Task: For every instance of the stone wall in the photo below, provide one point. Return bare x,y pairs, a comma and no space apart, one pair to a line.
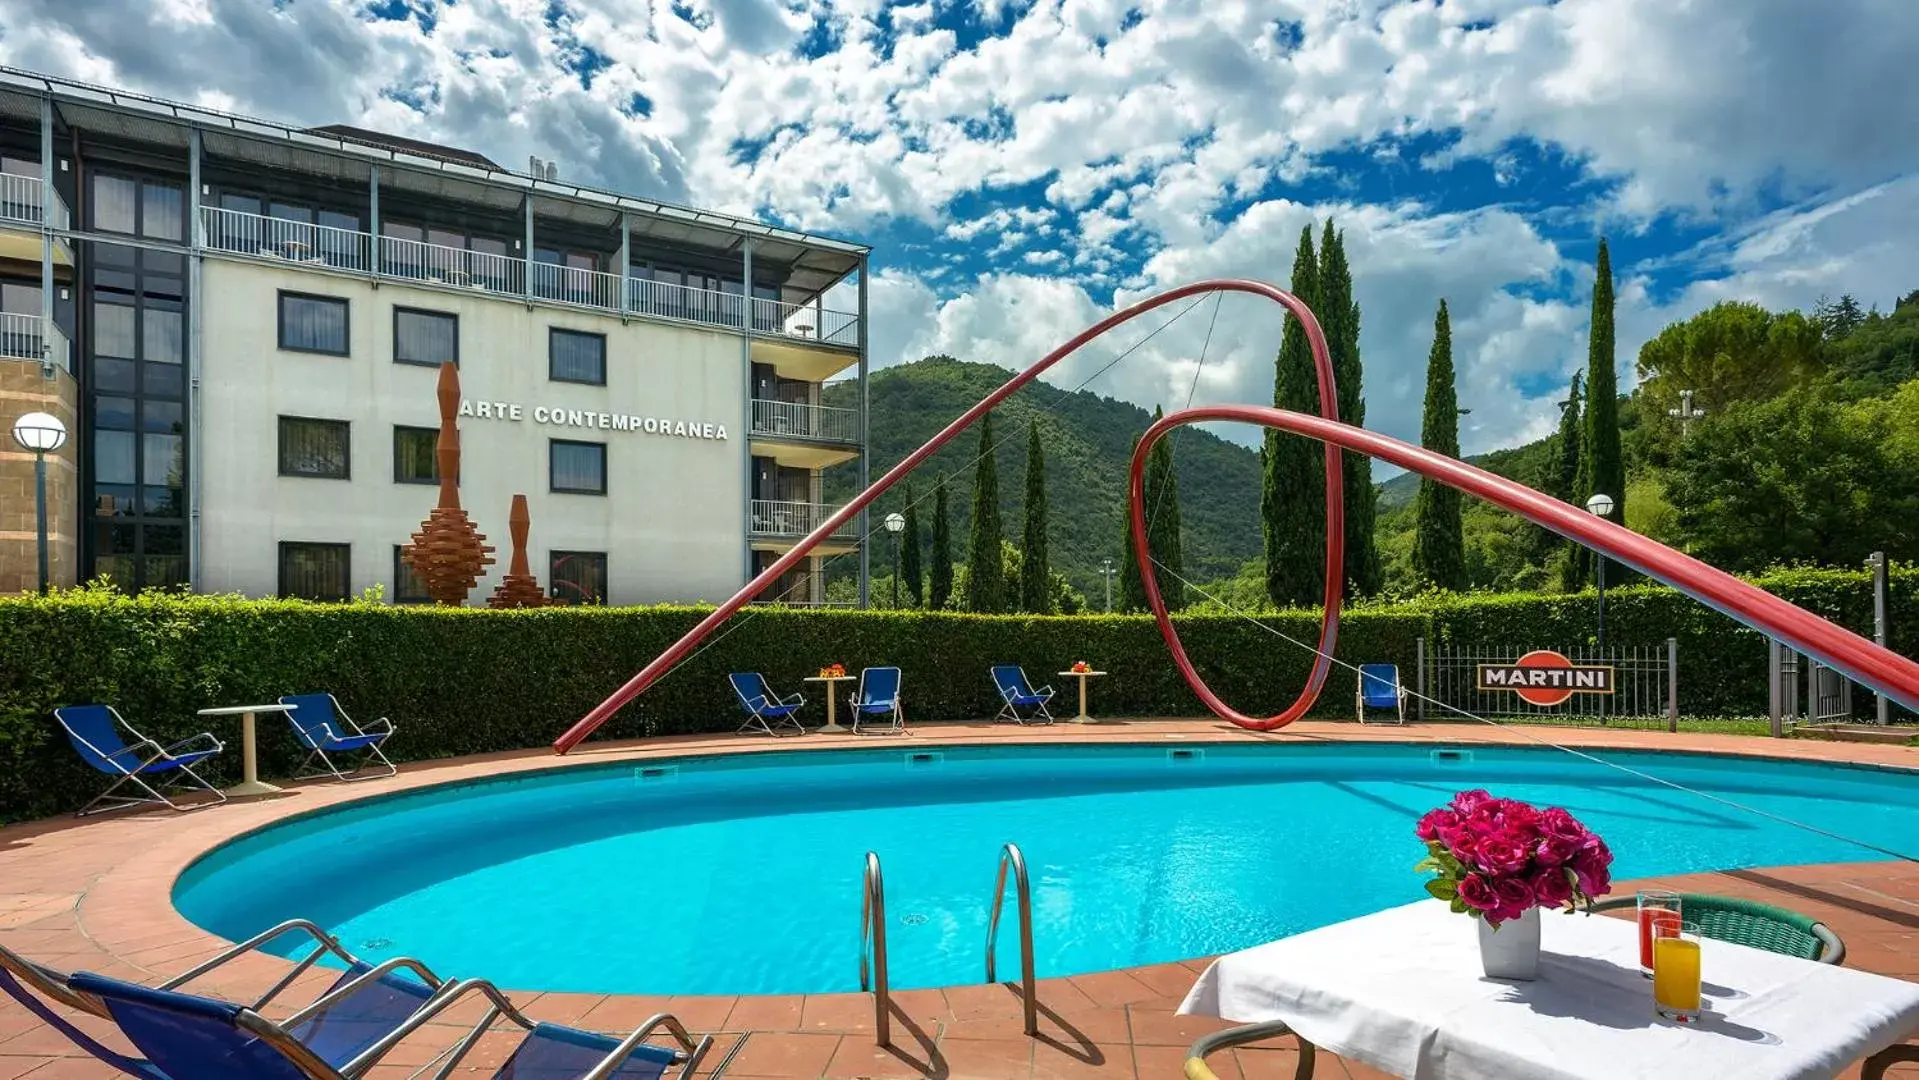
23,389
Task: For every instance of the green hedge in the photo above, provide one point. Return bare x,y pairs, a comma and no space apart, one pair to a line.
472,680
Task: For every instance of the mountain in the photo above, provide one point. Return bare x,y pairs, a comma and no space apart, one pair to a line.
1088,441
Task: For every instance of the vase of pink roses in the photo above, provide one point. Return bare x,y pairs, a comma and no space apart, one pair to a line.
1500,861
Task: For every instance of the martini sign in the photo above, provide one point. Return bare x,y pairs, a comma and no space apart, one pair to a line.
1546,678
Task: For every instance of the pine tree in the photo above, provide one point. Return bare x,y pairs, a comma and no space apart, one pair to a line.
1035,575
1439,552
1339,317
1132,592
939,589
1162,523
1602,467
985,576
909,567
1293,518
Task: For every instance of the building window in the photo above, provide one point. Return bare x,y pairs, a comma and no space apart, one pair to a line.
407,586
577,468
315,324
315,571
578,577
572,356
316,448
414,460
425,337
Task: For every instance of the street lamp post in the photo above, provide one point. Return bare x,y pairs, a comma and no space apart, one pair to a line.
1106,571
1685,413
41,433
1601,505
896,523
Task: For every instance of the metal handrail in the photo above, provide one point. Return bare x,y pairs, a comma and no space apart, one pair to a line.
1029,995
873,946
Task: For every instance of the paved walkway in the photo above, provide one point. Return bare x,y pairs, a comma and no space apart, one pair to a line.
94,895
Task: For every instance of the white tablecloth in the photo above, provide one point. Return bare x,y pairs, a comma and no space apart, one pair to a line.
1402,991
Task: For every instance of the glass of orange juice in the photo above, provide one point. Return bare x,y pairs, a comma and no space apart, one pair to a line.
1675,970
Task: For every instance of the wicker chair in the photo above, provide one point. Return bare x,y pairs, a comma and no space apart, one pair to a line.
1745,922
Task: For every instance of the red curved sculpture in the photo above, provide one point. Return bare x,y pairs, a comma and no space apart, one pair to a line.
1859,659
1335,539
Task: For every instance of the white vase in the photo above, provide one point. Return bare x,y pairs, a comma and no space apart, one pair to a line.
1512,950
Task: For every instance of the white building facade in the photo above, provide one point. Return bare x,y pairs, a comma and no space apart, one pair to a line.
257,316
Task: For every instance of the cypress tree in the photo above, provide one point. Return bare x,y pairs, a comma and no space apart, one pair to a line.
1339,317
939,589
1602,466
1292,518
985,575
1439,551
1561,475
1162,523
1132,593
910,575
1035,575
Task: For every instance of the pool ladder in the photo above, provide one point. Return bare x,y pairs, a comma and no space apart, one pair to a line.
873,948
1010,858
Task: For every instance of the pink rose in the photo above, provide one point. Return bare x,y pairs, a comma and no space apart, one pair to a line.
1555,821
1515,897
1555,850
1502,853
1464,845
1431,826
1468,801
1593,867
1477,893
1551,887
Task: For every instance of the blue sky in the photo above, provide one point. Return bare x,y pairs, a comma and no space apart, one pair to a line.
1022,166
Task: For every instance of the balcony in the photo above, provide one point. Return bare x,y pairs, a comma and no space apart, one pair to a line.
799,588
348,251
777,519
28,337
796,420
23,201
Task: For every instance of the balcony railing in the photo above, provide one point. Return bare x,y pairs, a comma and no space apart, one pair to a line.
811,423
23,201
776,519
411,260
28,337
798,588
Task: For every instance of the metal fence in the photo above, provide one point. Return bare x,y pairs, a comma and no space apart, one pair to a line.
1805,691
1643,682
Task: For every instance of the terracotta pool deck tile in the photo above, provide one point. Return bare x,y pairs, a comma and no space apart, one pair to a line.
1154,1062
981,1001
786,1055
568,1009
837,1012
1277,1063
909,1058
701,1012
623,1012
75,1069
1114,1062
773,1012
1112,989
1162,1027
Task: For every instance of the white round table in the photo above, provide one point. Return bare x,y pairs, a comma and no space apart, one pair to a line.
1082,676
832,690
250,782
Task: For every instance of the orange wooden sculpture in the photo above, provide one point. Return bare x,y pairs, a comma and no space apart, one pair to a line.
448,552
518,588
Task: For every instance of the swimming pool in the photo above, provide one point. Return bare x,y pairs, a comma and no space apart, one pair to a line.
741,874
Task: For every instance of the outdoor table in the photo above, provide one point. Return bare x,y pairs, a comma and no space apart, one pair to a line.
250,782
832,691
1082,676
1402,990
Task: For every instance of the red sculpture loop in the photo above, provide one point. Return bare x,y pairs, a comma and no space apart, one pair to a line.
1322,361
1859,659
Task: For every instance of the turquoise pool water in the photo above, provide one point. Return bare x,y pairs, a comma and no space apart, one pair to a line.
741,875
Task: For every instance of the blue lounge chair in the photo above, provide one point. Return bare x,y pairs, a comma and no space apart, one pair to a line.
1379,689
196,1038
94,731
765,710
879,695
365,1004
324,728
1016,693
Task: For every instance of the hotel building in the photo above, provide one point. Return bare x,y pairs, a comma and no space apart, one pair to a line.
242,323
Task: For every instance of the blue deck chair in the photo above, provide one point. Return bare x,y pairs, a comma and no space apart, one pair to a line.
1016,693
324,728
94,731
196,1038
879,695
17,974
1379,689
766,711
365,1004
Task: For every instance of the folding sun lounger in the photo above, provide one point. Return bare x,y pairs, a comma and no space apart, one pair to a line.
94,731
879,695
1016,693
1379,689
324,728
766,711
